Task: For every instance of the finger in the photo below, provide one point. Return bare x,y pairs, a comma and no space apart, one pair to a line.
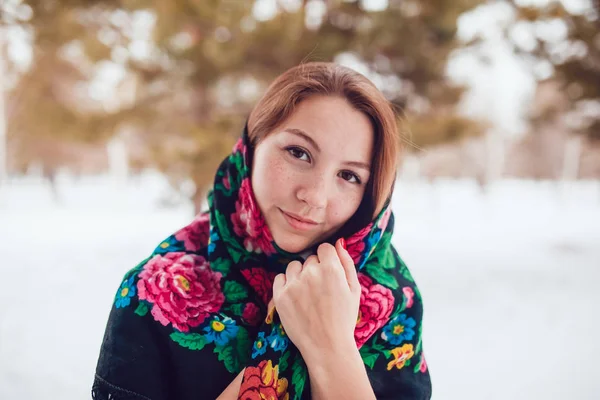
348,264
327,254
293,270
311,260
278,285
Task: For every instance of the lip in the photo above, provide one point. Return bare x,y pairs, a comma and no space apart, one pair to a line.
298,222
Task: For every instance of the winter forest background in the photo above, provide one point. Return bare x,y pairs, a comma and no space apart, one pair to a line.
115,113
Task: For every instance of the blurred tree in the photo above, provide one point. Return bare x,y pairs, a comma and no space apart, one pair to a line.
561,41
406,46
48,105
230,51
564,43
186,92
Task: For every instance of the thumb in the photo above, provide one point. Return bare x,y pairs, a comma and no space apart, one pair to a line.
278,284
348,264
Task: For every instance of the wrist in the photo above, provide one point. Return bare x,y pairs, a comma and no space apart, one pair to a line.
338,373
341,348
330,357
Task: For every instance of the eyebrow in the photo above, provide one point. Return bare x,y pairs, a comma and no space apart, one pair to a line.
305,136
359,164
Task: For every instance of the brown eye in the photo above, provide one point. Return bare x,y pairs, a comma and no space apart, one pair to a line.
298,153
349,176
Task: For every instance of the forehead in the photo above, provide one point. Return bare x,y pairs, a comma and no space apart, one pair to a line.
335,125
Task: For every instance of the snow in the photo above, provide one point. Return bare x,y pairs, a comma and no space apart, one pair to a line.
508,277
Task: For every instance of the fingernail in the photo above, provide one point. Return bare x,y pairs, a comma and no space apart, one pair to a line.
343,243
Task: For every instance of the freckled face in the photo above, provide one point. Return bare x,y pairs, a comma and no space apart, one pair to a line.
309,175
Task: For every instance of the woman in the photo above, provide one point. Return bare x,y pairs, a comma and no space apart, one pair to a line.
288,287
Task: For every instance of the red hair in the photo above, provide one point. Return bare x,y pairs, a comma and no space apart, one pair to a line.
329,79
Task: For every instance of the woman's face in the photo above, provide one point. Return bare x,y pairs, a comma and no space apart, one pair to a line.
310,174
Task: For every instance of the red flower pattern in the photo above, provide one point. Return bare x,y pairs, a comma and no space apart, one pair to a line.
261,281
376,305
195,235
249,224
182,288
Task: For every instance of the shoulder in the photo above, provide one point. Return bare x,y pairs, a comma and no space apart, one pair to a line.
192,238
157,303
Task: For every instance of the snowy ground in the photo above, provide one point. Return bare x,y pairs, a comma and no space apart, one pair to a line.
510,280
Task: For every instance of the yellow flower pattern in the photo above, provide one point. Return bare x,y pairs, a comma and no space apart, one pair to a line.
401,356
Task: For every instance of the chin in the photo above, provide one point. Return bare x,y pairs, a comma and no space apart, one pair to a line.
293,245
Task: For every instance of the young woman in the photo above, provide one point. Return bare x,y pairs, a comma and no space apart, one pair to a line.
288,287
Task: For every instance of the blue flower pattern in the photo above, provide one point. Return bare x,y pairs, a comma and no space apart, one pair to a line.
125,293
221,330
278,340
399,329
260,345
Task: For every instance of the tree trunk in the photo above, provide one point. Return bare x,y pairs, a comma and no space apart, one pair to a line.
570,166
495,157
49,174
118,159
572,159
3,121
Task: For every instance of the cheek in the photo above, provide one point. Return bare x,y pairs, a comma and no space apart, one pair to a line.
343,208
271,179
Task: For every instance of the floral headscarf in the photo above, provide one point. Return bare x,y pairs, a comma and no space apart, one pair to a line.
191,316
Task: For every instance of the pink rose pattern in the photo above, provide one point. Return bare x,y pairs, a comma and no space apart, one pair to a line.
182,289
249,224
382,224
409,294
195,235
376,305
239,147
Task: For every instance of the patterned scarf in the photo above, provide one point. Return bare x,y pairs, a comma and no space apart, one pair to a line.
210,283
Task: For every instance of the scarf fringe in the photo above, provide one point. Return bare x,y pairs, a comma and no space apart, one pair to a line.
102,390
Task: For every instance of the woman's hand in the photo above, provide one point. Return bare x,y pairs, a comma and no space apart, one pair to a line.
232,391
318,301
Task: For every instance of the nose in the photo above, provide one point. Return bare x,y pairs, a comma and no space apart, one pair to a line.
313,192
